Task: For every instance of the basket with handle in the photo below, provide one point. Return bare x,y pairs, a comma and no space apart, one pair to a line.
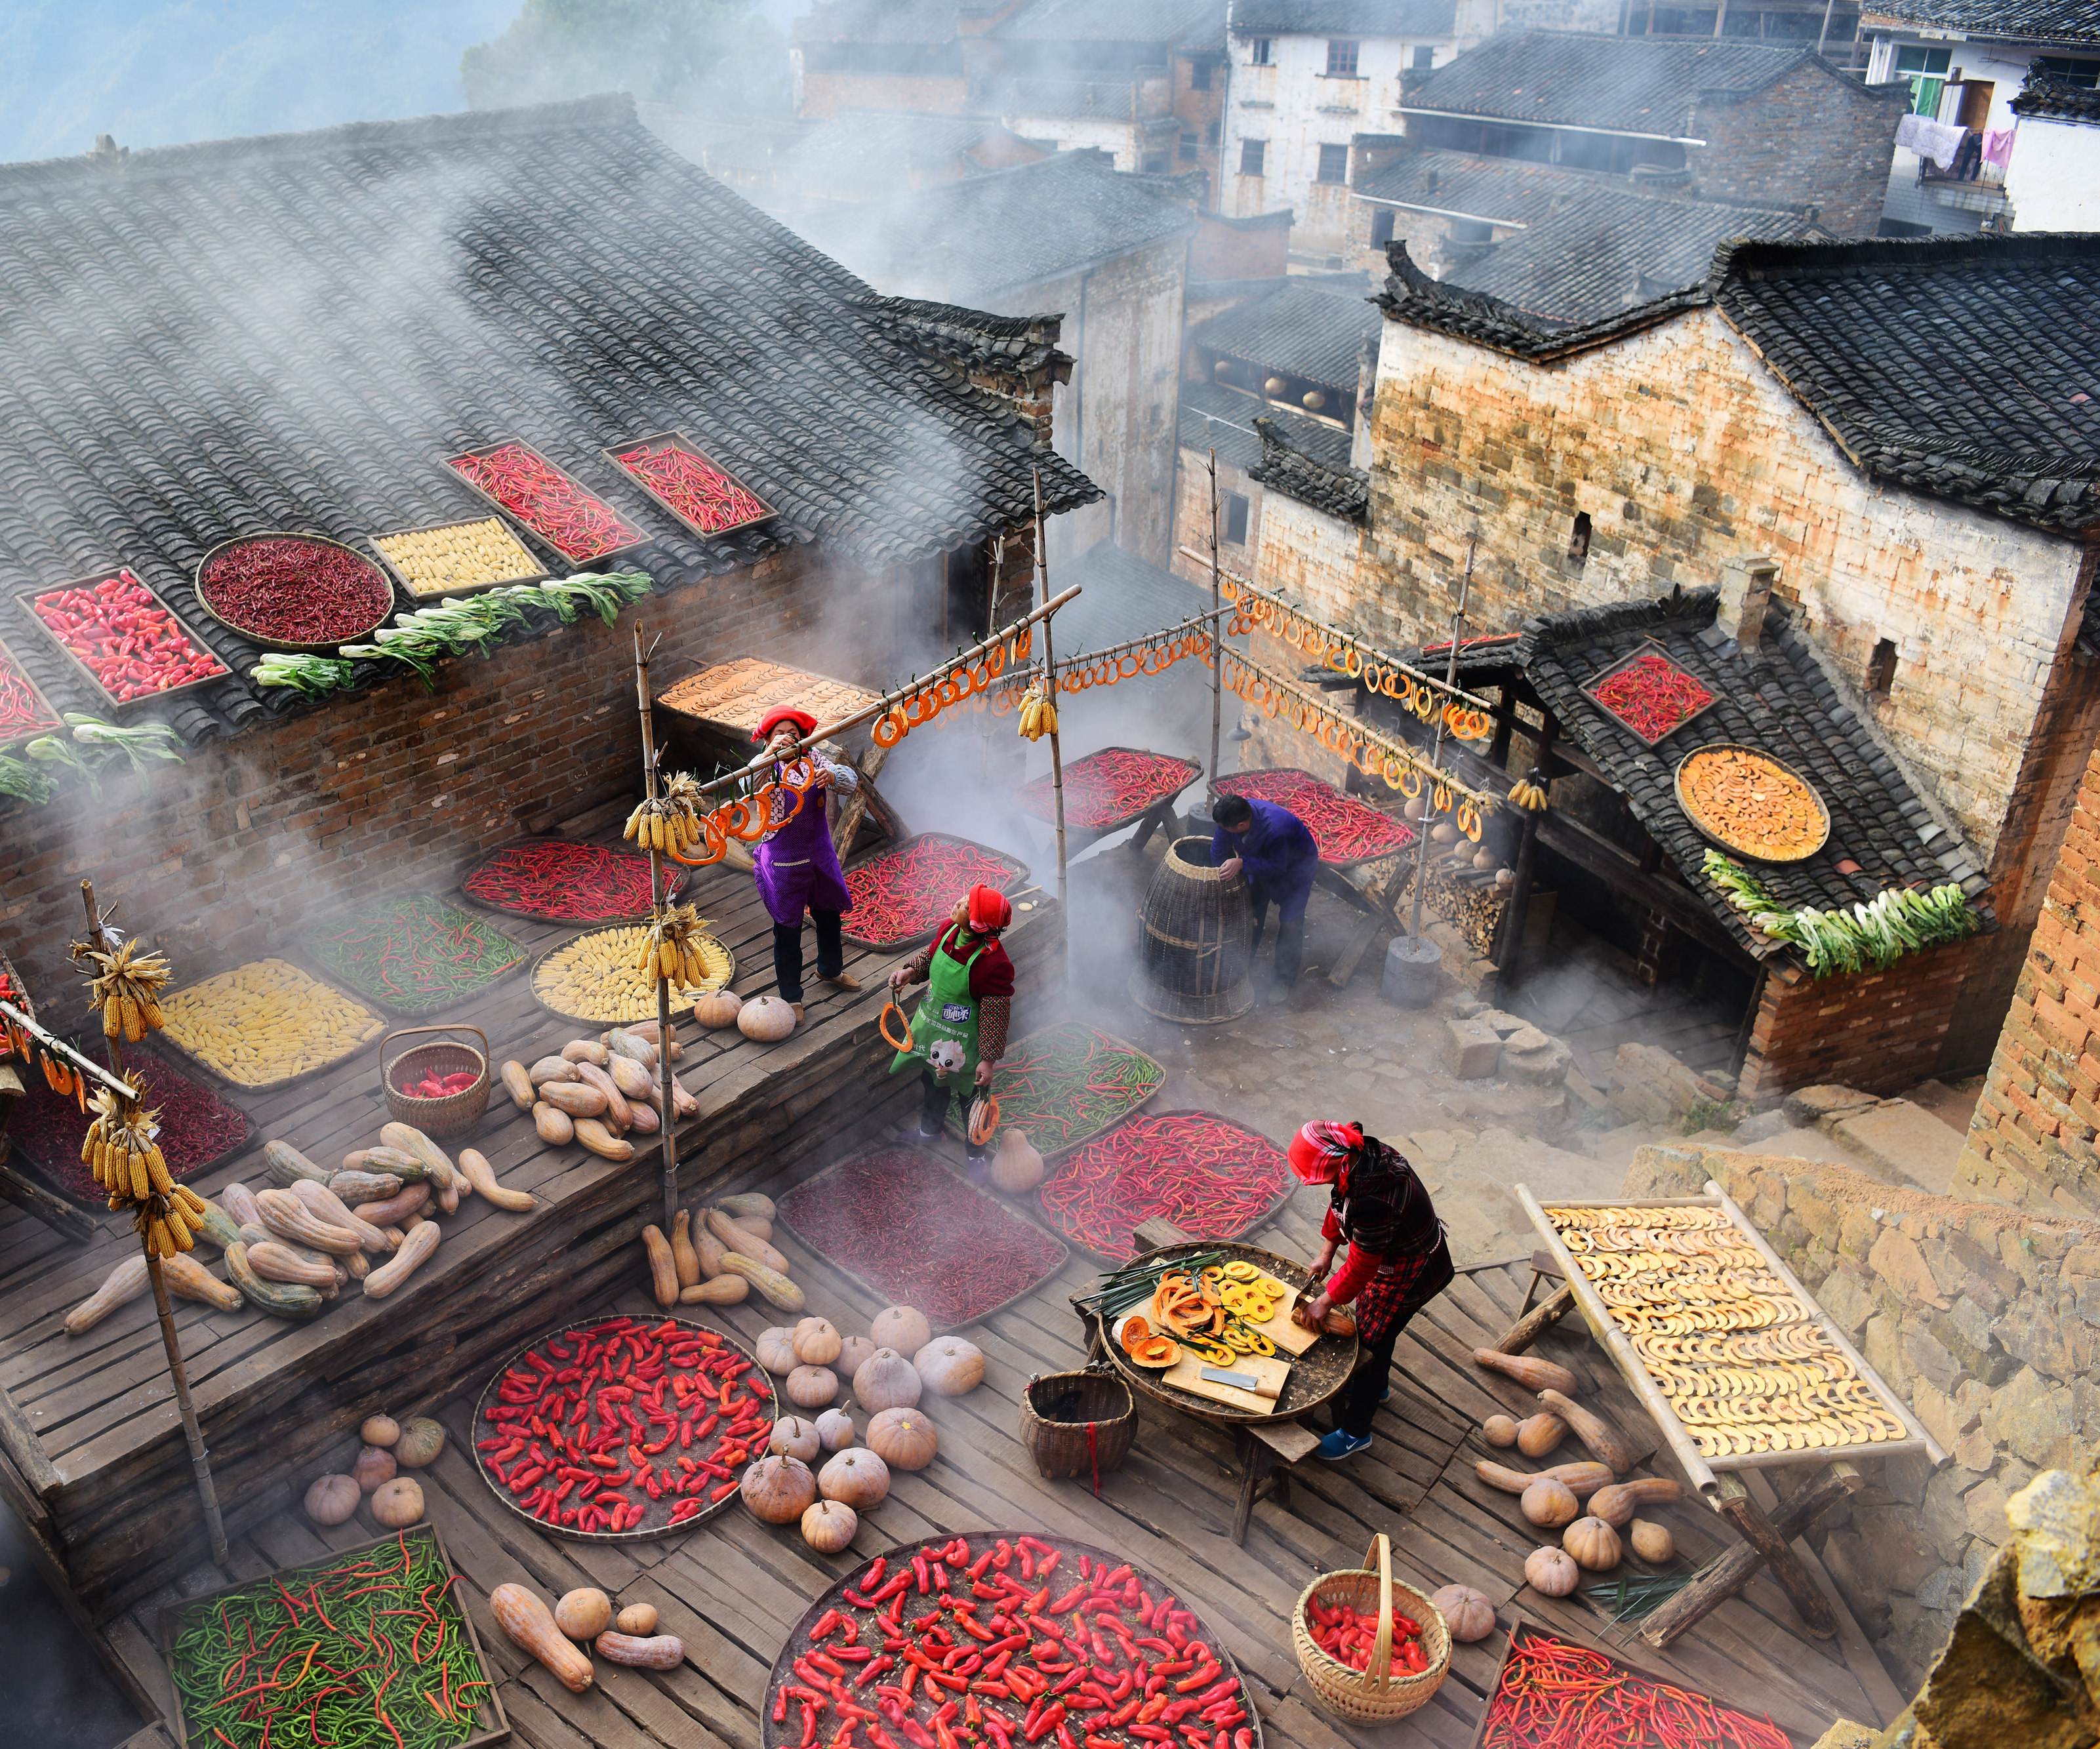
1378,1693
1078,1424
454,1112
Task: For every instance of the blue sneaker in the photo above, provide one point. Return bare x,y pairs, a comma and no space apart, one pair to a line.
1338,1445
1385,1395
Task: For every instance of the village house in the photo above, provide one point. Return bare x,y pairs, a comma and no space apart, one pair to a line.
885,55
859,155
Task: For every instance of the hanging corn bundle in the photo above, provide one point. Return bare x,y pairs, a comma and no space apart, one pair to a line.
1039,713
120,1149
670,821
123,987
676,950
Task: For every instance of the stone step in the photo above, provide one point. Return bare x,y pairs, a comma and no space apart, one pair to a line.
1903,1138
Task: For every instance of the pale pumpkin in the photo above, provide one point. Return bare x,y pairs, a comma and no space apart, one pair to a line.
835,1429
948,1365
638,1619
811,1387
765,1020
374,1466
1539,1435
1652,1542
422,1444
855,1476
902,1439
887,1381
816,1342
583,1613
1551,1573
1015,1167
795,1437
1498,1430
1548,1503
903,1328
1593,1543
1467,1613
828,1526
379,1429
718,1008
778,1489
333,1499
398,1503
853,1353
775,1349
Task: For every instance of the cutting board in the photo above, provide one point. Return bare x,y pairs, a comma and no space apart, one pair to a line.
1187,1374
1289,1338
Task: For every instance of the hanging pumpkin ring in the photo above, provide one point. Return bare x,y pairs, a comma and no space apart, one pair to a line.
889,1038
984,1119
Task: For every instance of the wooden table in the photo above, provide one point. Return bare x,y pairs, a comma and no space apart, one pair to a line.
1717,1476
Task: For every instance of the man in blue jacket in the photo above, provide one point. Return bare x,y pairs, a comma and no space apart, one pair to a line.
1274,849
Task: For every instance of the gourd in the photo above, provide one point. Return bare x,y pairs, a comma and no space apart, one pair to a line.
189,1279
603,1142
1617,1503
775,1349
584,1050
122,1285
374,1465
811,1387
1579,1478
398,1503
216,1224
663,1269
765,1020
331,1500
518,1084
795,1437
744,1242
1015,1167
1498,1430
418,1145
628,1041
635,1082
579,1098
289,1218
1652,1542
1605,1445
722,1290
853,1355
1537,1435
1527,1370
1551,1572
556,1127
887,1381
354,1188
281,1300
718,1008
948,1365
380,1430
683,1256
415,1249
552,1071
856,1476
901,1327
1467,1613
779,1489
239,1203
330,1207
743,1203
708,1249
638,1619
829,1525
835,1429
1593,1543
474,1167
1548,1503
287,1166
412,1199
521,1615
775,1288
902,1439
665,1652
583,1613
817,1342
422,1442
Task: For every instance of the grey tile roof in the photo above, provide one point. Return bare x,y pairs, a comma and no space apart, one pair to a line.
921,21
1634,84
1216,417
1122,596
1778,701
1344,18
292,332
1500,191
1007,229
1302,330
1343,492
2057,99
1187,23
866,151
2019,20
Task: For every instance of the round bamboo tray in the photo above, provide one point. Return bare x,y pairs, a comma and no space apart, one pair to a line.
455,1111
1708,828
1092,1433
1379,1694
202,590
682,999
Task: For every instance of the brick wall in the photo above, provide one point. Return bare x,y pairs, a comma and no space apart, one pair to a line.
1192,517
1239,249
1808,137
1985,1319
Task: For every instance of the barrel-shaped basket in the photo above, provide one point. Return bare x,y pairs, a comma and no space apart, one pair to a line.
1379,1694
453,1113
1076,1424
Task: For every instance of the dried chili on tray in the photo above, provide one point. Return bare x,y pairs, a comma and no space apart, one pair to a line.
908,890
1111,787
117,629
702,494
1066,1083
1211,1177
1651,695
295,589
564,881
1346,829
1553,1694
197,1128
23,712
414,953
575,522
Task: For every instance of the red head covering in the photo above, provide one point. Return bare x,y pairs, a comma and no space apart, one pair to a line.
804,724
1318,1150
990,910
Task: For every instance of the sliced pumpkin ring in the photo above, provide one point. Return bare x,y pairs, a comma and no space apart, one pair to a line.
1240,1270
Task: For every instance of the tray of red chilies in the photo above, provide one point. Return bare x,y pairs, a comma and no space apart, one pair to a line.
1006,1639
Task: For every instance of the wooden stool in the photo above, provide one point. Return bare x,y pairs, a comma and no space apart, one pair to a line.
1266,1454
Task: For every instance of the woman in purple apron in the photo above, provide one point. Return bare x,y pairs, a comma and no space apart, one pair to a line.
798,869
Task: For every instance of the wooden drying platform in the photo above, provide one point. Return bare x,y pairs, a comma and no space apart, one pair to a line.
91,1455
735,1590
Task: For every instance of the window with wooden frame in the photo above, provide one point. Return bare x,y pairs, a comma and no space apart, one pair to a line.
1252,153
1342,58
1334,164
1261,51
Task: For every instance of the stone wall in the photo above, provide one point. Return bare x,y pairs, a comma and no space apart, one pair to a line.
1811,137
1985,1319
1192,517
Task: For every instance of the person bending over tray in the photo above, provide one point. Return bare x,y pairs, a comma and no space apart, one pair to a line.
1274,849
797,867
1398,1262
960,1030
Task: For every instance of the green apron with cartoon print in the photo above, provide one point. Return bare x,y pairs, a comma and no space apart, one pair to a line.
948,1011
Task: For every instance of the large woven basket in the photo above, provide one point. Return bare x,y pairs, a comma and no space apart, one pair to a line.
1076,1424
455,1111
1379,1694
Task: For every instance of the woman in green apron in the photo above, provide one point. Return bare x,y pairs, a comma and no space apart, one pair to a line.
960,1029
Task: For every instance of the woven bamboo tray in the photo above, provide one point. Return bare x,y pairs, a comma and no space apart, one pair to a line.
1708,829
29,598
682,1000
258,639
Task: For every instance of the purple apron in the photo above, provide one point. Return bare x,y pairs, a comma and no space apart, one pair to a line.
798,869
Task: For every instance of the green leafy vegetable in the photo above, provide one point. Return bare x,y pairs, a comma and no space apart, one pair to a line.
1897,921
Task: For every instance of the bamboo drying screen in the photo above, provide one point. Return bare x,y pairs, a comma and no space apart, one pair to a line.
1346,830
906,891
265,1022
1065,1084
414,954
1211,1177
1111,787
563,880
738,695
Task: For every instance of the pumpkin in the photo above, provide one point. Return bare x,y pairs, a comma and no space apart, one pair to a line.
765,1020
1548,1503
811,1387
398,1503
637,1619
1593,1543
373,1467
1537,1435
835,1429
718,1008
902,1439
817,1342
775,1349
521,1615
421,1443
583,1613
1498,1430
901,1327
828,1526
948,1365
887,1381
1551,1573
1467,1613
331,1500
1652,1542
853,1353
855,1476
779,1489
1015,1167
379,1429
794,1437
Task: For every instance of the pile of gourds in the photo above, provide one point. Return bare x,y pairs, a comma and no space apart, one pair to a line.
584,1617
715,1256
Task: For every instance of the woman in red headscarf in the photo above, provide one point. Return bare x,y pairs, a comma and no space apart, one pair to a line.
1396,1263
962,1022
797,867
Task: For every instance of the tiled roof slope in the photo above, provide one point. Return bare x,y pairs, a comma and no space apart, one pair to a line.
1963,366
1635,85
1216,417
1344,18
1309,333
921,21
869,150
1500,191
292,332
2057,99
2018,21
1342,492
1122,596
1188,23
1778,701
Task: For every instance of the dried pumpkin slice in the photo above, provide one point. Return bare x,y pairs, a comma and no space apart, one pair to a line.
1135,1330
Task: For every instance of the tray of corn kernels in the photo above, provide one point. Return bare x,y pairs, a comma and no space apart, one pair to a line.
1740,1360
455,556
265,1022
597,978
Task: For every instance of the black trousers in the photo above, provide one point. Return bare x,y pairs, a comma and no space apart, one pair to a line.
933,1109
1357,1401
787,954
1290,931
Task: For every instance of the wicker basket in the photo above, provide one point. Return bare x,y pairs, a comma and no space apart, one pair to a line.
1379,1694
1076,1424
455,1111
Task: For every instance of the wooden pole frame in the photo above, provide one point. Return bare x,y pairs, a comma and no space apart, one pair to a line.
668,1117
1050,682
1217,638
1437,753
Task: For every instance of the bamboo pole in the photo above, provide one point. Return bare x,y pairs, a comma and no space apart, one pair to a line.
1050,682
1436,751
164,1309
53,1046
668,1125
1217,653
1087,658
